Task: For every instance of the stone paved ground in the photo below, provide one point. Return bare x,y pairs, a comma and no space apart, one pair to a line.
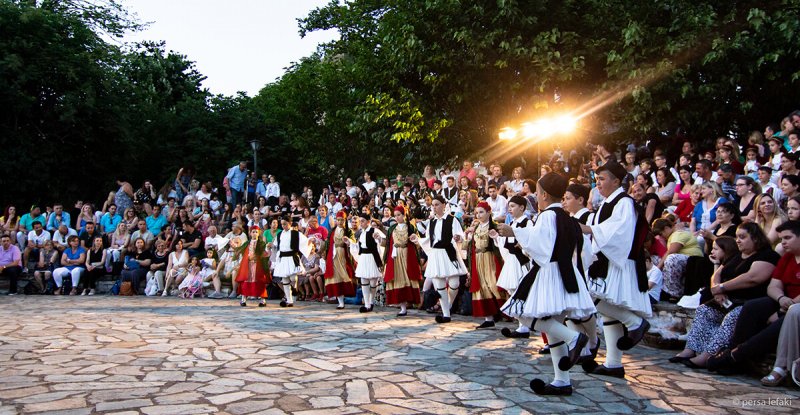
169,356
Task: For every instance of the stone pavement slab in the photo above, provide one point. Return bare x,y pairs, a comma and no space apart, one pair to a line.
157,356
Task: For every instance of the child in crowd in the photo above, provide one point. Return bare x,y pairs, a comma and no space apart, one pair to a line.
655,280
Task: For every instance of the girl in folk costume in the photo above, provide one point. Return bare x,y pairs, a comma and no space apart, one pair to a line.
253,275
402,274
442,245
338,264
618,278
516,264
290,245
556,289
485,266
368,270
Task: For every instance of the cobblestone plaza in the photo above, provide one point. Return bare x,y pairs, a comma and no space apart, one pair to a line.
131,355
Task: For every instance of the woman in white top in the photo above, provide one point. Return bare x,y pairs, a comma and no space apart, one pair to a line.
177,267
117,243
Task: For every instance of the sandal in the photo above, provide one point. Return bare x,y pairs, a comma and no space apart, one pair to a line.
774,378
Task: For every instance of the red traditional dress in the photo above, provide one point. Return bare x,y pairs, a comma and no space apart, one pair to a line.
338,265
402,274
253,275
485,267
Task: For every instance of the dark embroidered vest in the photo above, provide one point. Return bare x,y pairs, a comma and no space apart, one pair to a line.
514,249
294,245
371,248
446,241
599,269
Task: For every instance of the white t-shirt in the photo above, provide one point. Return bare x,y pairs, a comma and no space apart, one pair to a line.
655,276
62,239
200,196
217,242
369,185
38,239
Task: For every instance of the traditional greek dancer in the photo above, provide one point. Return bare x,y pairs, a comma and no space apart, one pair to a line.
618,278
368,268
485,266
516,263
338,263
253,275
556,289
442,245
575,200
402,274
290,245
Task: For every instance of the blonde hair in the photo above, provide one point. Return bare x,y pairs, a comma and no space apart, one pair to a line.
713,185
762,220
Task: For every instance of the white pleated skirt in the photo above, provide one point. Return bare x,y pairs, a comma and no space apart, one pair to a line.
367,268
621,289
440,266
548,297
511,274
285,267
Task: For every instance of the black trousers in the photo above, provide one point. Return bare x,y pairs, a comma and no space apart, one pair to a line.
753,336
13,274
90,278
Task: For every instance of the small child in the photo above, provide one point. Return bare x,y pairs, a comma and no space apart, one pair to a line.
655,280
794,143
752,165
208,272
193,283
48,256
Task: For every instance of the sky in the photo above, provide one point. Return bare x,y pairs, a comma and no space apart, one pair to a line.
239,45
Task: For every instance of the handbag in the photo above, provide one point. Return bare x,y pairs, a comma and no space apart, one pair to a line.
126,288
131,263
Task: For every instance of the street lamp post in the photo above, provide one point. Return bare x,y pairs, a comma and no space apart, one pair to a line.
255,145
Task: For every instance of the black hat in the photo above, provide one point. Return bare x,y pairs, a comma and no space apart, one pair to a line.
554,184
518,200
615,169
579,190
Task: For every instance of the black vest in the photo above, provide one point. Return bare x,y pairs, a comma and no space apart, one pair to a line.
371,248
599,269
294,245
446,241
514,249
584,218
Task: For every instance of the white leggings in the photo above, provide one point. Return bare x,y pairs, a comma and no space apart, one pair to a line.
446,295
60,273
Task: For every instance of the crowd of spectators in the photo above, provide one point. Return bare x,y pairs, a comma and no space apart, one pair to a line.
724,224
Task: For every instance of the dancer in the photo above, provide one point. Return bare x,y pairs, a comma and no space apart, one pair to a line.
516,263
618,278
338,264
485,266
368,269
442,246
575,199
402,274
253,275
290,245
555,290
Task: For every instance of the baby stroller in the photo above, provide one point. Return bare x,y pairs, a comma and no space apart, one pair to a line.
194,287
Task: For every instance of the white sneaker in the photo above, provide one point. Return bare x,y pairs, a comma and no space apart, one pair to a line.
91,292
206,284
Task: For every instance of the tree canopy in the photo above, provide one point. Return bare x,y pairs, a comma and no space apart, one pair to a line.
407,84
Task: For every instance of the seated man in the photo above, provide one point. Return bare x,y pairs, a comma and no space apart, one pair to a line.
88,234
192,238
110,220
10,262
156,221
144,233
36,239
60,237
58,218
26,225
214,240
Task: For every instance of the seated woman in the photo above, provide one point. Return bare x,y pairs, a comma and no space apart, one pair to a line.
649,202
727,220
743,277
158,266
137,263
769,216
759,326
683,189
680,246
747,190
666,186
686,206
72,262
176,267
95,266
117,243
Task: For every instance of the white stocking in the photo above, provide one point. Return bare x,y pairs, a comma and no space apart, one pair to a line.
556,353
444,300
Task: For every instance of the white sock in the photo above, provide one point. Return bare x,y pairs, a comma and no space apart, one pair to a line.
340,299
589,328
626,317
287,291
451,294
244,299
489,319
444,301
612,333
525,324
403,309
556,353
556,332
